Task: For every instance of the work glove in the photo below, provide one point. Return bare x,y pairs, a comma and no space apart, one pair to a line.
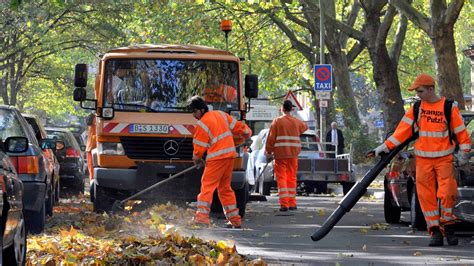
378,151
199,162
463,158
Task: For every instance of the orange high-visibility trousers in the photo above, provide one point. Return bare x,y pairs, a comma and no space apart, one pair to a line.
90,165
285,171
217,174
435,180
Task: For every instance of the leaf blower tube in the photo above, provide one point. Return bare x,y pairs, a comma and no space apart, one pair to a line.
357,192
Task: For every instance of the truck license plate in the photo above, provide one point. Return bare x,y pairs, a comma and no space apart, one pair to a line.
151,129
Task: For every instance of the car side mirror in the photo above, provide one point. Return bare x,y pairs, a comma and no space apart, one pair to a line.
48,144
16,144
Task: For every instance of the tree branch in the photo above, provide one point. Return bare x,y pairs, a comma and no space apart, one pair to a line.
411,13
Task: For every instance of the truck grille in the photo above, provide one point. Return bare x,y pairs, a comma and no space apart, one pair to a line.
153,148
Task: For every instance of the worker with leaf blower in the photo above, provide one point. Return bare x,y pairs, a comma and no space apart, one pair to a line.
214,134
436,121
284,144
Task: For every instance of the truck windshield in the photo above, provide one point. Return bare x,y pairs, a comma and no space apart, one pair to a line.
166,85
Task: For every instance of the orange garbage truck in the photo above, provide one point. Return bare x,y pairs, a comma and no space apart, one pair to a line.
144,130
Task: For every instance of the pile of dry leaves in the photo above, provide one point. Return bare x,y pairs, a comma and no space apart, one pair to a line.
76,235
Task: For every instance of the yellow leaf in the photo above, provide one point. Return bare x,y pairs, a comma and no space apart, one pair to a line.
418,253
222,245
364,230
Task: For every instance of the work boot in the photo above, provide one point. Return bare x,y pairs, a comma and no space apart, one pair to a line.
450,237
283,209
436,239
232,226
293,208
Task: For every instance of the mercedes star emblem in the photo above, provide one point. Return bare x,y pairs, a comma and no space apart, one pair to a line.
171,147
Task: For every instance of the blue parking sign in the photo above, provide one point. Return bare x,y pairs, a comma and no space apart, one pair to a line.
322,77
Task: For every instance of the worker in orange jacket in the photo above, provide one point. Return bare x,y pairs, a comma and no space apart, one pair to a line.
91,143
214,134
283,144
434,157
220,92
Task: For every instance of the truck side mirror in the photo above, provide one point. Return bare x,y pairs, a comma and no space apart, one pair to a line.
251,86
79,94
80,76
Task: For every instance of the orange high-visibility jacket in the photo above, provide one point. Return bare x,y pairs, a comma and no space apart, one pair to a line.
214,134
433,140
222,93
284,137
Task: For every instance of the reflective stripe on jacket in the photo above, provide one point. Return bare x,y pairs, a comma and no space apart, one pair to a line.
214,134
433,140
284,137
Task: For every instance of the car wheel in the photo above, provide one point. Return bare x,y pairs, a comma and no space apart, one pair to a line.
57,192
15,254
35,220
347,186
50,203
417,219
102,202
391,213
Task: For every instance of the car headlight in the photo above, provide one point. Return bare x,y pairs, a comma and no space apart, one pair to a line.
110,148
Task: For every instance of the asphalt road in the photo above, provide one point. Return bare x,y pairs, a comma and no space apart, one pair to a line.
360,238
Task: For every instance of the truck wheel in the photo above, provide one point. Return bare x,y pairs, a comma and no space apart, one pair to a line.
266,188
242,196
35,220
49,203
417,219
102,201
391,213
346,187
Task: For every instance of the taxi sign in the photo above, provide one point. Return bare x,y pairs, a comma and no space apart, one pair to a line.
322,77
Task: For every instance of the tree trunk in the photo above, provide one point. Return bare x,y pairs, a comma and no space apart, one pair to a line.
447,67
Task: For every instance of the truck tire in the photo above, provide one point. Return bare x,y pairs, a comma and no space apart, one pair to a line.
417,220
346,187
35,220
391,213
242,196
102,202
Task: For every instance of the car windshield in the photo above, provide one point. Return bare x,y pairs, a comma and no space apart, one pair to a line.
308,143
159,85
9,125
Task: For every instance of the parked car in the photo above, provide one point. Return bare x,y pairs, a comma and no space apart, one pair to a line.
256,163
11,204
31,165
40,134
70,158
400,187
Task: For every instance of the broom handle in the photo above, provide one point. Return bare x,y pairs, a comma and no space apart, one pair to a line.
159,183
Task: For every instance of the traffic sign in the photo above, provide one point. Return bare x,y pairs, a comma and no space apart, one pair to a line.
291,96
323,103
379,123
322,77
323,95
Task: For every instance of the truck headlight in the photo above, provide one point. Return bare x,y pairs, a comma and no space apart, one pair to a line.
110,148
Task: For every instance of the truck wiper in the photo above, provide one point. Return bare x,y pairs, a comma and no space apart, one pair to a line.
148,108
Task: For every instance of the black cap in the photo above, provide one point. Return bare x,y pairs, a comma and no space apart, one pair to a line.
198,103
288,105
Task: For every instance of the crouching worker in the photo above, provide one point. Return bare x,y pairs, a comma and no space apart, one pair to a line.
214,133
433,119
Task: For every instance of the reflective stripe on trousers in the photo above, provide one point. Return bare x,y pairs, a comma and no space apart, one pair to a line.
432,173
218,175
285,172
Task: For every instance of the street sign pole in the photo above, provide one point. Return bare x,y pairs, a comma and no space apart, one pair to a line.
322,110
